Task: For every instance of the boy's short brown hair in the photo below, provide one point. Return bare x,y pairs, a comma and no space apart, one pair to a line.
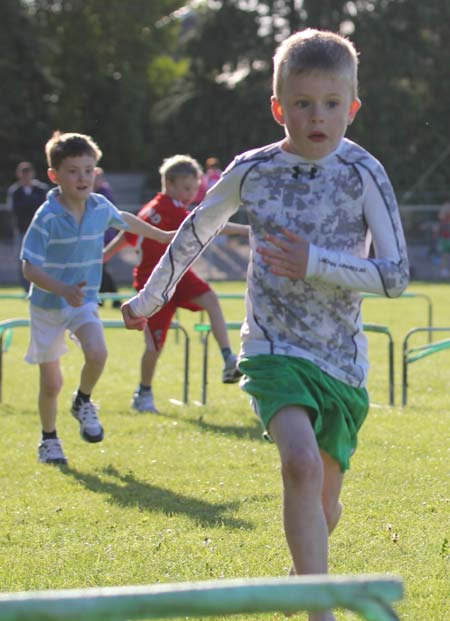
315,50
65,145
179,166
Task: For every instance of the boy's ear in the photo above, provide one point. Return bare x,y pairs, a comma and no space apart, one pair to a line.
51,174
354,107
277,110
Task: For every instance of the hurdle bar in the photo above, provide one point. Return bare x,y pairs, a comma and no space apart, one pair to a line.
410,355
369,596
7,326
364,296
205,329
409,295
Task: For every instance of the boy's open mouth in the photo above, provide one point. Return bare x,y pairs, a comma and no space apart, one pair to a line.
317,136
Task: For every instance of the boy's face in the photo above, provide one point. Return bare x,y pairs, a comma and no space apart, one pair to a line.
183,188
315,109
75,176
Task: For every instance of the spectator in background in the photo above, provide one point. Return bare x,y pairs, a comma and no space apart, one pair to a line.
443,239
211,175
23,198
101,186
108,284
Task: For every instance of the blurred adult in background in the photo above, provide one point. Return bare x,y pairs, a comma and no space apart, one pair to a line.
101,186
443,239
23,198
211,175
108,284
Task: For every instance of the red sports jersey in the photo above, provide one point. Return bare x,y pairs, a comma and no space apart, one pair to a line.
165,214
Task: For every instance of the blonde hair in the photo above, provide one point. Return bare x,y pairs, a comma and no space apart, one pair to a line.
65,145
179,166
315,50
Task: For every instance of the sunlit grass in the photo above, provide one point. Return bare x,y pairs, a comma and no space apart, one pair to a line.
194,493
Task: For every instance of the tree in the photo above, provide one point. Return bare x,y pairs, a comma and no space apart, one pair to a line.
24,108
221,106
83,65
405,54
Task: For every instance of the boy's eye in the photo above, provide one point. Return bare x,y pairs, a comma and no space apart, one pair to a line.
333,104
302,104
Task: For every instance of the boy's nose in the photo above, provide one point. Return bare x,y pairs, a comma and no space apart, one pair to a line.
317,112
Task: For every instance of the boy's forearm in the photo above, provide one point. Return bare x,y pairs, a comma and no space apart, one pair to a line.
233,228
116,244
41,279
139,227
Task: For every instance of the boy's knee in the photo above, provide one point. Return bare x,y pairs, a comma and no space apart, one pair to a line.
96,356
302,467
51,388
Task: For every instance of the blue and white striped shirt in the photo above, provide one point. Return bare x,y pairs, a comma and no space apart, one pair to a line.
67,250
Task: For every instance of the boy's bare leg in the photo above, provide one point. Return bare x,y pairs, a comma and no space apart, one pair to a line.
149,359
332,485
302,471
93,344
211,304
50,384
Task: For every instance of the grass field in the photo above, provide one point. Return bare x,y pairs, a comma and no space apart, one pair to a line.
193,493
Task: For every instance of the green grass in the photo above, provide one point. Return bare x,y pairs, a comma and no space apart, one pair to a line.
194,493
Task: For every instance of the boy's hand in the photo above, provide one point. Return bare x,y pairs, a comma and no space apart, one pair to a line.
131,321
74,294
289,257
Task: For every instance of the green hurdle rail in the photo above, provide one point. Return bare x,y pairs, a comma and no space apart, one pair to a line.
7,326
408,295
413,354
369,596
205,330
365,296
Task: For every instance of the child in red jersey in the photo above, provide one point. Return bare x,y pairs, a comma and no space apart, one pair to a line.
180,178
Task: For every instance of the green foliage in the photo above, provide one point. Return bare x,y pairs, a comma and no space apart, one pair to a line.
80,66
193,493
148,80
24,105
163,70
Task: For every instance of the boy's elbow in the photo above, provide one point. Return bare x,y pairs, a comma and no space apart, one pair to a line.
399,284
26,269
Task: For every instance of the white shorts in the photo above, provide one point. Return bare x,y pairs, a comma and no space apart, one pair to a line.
48,327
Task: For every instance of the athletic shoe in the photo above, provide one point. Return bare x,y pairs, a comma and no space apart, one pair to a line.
86,414
143,401
51,452
230,373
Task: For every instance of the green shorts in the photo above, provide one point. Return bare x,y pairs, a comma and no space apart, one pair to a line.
337,409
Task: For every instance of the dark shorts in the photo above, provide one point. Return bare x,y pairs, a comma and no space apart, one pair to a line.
337,409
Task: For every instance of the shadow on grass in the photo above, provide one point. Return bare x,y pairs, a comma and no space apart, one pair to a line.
248,432
130,492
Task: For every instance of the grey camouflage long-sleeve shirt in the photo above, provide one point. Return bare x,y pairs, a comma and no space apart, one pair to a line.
340,204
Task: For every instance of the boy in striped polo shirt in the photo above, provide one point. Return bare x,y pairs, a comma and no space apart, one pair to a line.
62,256
315,202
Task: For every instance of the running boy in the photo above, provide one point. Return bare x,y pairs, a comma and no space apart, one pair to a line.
180,178
62,257
315,202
